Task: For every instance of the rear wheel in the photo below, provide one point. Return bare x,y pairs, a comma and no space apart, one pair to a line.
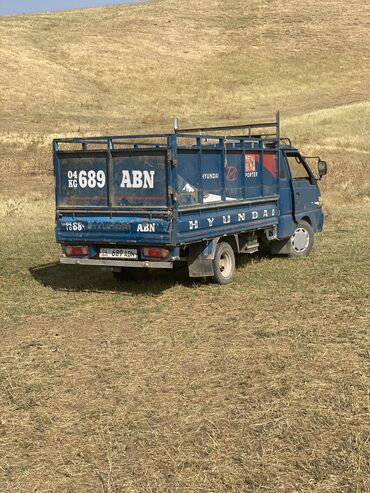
302,240
223,263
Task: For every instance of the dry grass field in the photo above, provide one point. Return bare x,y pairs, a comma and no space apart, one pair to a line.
163,385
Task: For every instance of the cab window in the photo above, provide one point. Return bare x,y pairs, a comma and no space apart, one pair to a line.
297,167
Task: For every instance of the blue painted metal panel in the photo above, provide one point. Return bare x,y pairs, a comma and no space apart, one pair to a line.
211,174
286,223
83,180
218,221
299,199
139,178
92,228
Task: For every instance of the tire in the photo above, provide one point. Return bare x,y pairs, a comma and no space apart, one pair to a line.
302,240
223,263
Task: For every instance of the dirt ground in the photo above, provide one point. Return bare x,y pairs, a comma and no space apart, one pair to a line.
165,385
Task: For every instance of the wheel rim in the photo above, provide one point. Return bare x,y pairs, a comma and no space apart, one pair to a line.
225,264
300,240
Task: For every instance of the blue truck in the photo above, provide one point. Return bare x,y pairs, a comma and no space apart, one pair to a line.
195,195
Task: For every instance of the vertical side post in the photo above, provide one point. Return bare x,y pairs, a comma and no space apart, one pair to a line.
109,172
222,142
278,147
56,173
261,156
198,142
172,195
175,124
244,181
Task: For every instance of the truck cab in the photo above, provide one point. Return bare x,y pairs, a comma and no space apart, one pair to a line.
299,199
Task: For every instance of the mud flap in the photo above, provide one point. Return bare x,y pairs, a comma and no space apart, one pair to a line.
200,258
281,247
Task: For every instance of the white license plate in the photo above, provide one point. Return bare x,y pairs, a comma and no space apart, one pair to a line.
126,253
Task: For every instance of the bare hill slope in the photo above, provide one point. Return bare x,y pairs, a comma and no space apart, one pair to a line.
133,67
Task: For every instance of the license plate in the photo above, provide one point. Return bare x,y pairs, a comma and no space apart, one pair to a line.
118,253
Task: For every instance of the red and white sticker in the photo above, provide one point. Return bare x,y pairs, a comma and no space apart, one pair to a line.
251,160
250,163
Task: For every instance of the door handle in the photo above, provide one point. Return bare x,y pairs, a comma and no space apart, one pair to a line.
297,194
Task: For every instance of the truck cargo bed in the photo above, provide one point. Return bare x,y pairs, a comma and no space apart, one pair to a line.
164,189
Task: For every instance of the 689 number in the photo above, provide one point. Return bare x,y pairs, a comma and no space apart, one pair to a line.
90,179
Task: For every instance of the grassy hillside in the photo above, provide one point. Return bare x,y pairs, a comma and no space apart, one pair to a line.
125,68
165,385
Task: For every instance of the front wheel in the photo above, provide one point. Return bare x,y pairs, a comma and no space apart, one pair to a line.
223,263
302,240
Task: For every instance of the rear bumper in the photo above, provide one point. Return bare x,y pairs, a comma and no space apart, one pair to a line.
116,263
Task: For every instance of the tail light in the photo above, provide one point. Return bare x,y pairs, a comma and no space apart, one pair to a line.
153,252
77,251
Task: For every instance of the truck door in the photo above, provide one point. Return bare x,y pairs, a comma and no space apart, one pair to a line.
305,191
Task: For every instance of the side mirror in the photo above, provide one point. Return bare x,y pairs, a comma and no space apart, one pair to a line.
322,168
